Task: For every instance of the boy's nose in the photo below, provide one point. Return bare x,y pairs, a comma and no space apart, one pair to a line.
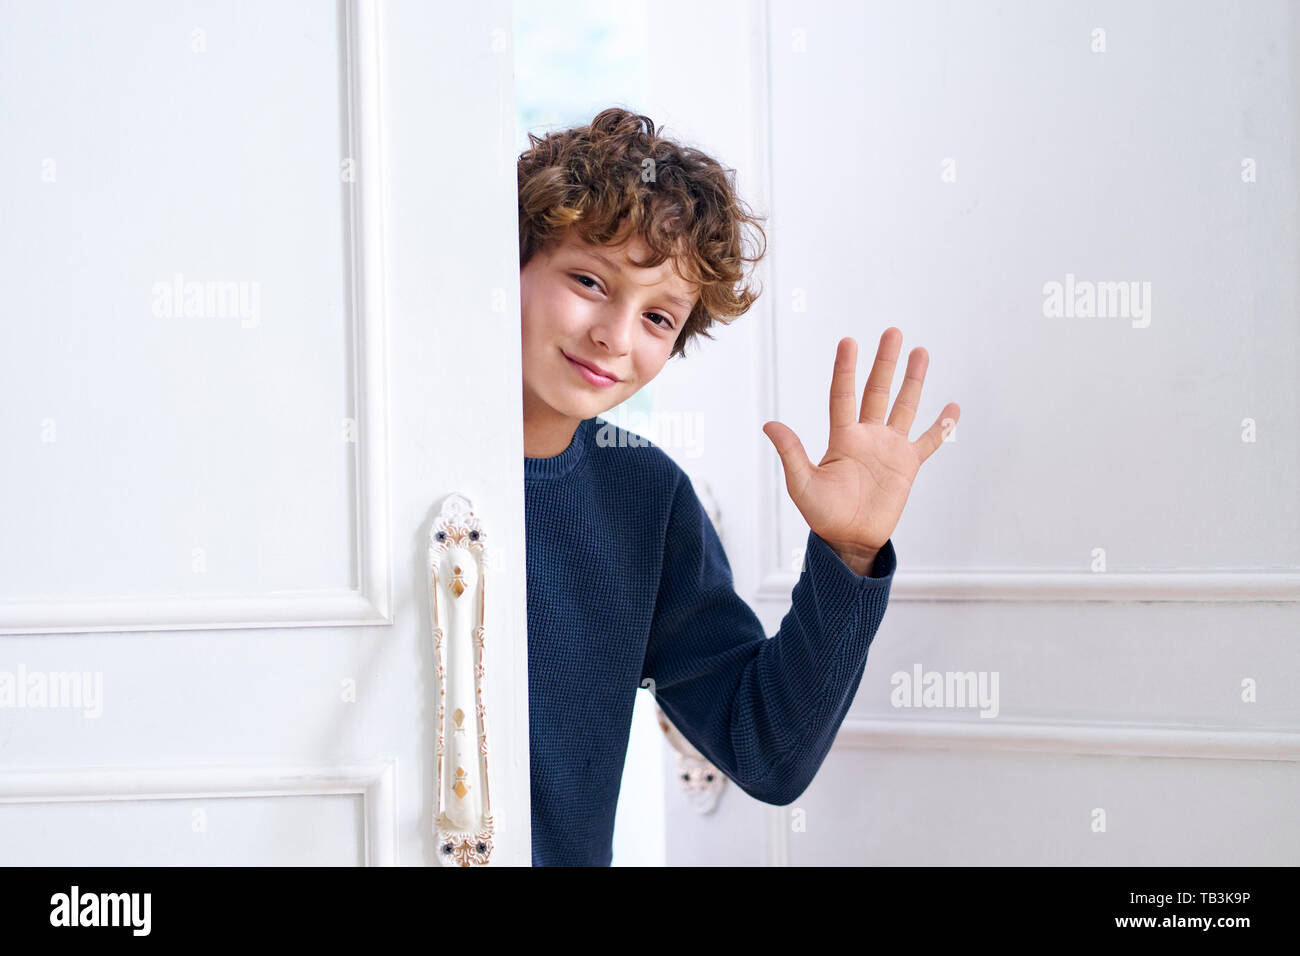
615,332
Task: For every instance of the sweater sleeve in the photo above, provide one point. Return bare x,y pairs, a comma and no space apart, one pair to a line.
764,711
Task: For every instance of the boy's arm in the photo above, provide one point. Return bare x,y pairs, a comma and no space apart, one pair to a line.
764,711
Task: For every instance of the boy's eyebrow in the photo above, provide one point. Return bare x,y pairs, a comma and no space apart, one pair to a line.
675,299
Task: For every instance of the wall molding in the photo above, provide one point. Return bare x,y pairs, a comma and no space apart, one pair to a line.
374,781
1067,737
1036,586
326,608
371,601
362,63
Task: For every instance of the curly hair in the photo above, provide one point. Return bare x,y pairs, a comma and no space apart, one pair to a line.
617,177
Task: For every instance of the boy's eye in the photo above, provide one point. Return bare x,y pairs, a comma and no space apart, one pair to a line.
666,323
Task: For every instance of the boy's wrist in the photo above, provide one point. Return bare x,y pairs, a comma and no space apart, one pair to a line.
859,558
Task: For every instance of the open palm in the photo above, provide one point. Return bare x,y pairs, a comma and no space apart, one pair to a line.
854,497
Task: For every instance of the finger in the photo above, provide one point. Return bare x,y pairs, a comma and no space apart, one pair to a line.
794,460
909,395
875,397
928,443
843,390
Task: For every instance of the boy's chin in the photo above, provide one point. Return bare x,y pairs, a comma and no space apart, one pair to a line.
570,406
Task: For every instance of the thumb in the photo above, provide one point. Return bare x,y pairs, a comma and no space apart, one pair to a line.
793,457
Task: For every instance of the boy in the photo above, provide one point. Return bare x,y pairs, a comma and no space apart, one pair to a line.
630,245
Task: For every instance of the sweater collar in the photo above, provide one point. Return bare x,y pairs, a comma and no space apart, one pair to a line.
564,462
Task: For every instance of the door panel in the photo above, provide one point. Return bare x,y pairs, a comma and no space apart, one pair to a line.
261,296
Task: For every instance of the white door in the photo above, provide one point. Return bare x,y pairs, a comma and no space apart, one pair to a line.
261,320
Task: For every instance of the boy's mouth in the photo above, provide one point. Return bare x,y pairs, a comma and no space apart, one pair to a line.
592,375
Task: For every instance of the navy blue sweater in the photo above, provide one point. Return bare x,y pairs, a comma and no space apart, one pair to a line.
627,580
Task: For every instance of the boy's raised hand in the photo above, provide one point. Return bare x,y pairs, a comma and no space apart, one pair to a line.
854,497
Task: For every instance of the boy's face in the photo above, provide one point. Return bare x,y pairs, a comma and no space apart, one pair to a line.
608,314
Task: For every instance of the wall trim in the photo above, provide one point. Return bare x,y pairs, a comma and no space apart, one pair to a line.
983,585
326,608
375,781
371,601
1067,737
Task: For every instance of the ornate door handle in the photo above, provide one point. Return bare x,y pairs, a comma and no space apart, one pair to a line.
462,817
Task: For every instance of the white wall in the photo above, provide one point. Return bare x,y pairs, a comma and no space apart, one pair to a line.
1125,690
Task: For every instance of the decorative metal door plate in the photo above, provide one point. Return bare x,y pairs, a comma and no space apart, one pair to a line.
462,819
